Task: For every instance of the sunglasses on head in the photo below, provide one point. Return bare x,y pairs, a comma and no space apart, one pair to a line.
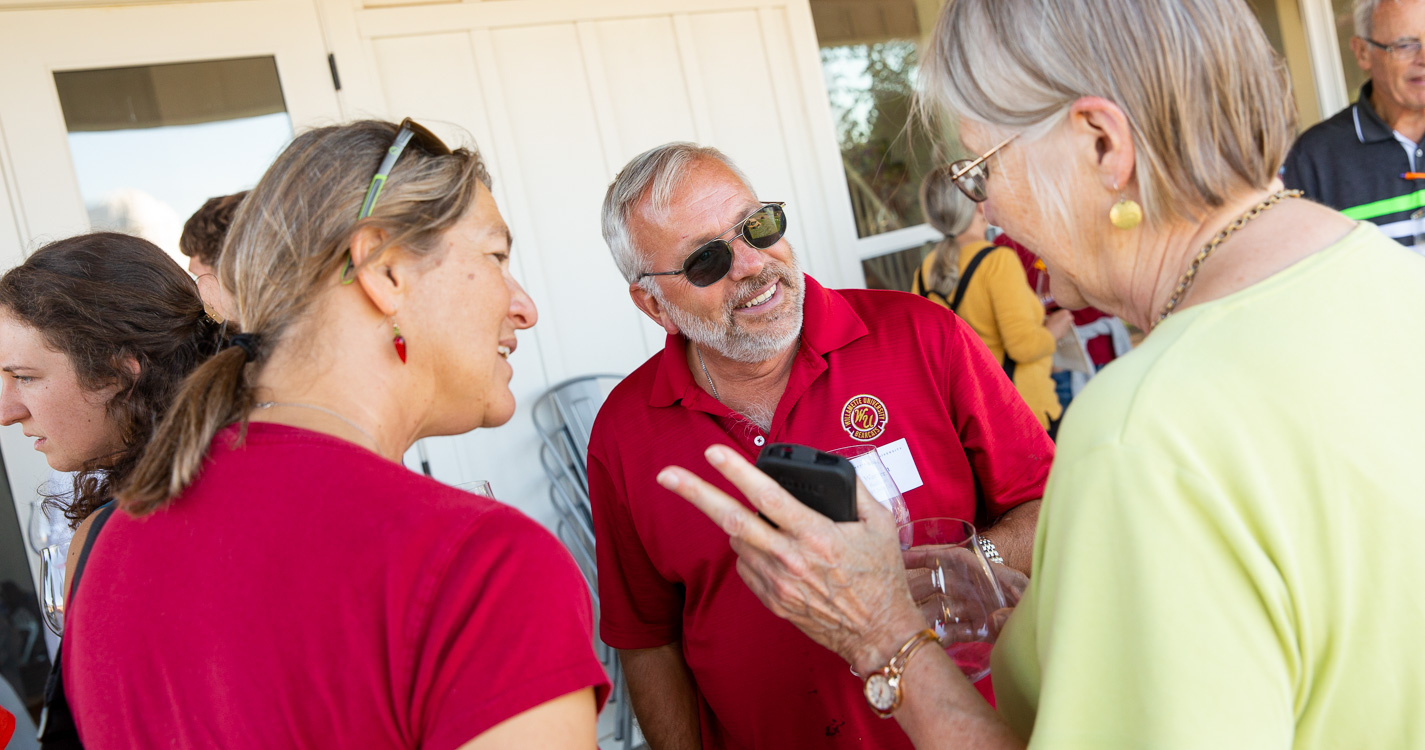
710,262
410,130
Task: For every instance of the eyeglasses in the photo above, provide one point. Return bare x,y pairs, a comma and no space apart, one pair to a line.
410,130
709,263
1399,50
970,175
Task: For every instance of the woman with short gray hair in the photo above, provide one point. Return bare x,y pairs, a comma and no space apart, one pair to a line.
1223,556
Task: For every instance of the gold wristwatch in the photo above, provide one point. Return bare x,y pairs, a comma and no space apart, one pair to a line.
883,686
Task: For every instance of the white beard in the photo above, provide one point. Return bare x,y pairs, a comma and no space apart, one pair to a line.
724,336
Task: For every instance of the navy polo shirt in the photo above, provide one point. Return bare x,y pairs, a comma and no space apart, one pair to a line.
1353,162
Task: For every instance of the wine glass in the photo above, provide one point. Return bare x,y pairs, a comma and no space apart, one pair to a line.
479,487
52,559
47,526
957,592
872,472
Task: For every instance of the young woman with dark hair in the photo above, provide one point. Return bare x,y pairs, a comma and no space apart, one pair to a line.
96,334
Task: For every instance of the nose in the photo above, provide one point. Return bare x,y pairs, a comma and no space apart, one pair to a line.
522,310
12,409
747,261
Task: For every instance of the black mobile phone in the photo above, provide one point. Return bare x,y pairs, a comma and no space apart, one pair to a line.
824,482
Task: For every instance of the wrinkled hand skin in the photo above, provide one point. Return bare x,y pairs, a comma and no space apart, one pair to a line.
843,584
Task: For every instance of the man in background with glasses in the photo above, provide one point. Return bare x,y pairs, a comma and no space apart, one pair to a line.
1368,160
757,353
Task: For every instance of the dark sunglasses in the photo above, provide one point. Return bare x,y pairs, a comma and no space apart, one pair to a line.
410,130
709,263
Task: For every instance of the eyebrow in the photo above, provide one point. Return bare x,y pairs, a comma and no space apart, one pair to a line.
748,210
503,229
13,368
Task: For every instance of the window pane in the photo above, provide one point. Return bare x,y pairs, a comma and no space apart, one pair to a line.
150,144
869,57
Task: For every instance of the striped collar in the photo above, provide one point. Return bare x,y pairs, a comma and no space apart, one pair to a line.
1369,127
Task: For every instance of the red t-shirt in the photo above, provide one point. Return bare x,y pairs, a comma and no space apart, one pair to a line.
307,593
884,365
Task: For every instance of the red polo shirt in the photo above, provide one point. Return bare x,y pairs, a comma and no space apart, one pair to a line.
873,367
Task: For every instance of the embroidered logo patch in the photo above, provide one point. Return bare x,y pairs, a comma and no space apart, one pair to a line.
864,417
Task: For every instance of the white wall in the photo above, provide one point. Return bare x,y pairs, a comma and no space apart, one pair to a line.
559,95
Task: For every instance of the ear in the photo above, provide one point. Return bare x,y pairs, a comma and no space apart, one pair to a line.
1100,133
131,363
386,280
1362,53
652,308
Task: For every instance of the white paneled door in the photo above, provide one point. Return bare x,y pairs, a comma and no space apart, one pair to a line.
144,83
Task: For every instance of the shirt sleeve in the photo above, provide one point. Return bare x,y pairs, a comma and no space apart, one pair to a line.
1006,446
638,607
1019,314
510,627
1159,619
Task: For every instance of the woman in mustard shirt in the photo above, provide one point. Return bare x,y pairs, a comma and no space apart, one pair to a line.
985,285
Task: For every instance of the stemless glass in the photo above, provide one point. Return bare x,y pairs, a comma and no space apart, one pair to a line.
952,583
872,472
52,585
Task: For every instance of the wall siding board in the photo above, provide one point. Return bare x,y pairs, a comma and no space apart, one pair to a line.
567,94
559,150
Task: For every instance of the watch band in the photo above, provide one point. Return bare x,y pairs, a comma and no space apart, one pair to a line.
991,552
883,686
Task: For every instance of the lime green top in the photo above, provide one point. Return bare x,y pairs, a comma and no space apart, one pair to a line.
1229,553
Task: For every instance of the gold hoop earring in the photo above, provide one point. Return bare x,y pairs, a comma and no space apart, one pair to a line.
1125,214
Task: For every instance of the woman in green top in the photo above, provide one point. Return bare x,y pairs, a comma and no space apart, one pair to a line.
1227,554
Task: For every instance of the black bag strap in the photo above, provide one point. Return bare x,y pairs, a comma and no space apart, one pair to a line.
101,517
57,729
964,285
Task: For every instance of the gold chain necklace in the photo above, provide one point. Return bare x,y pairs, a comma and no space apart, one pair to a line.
1186,281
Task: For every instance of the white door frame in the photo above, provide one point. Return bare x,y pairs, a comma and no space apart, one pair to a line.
1319,19
39,188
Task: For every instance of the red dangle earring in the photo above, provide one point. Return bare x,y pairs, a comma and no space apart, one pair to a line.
399,342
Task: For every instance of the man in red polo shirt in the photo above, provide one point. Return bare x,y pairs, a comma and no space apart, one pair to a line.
758,352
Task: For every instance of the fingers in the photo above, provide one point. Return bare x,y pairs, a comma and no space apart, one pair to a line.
730,516
764,493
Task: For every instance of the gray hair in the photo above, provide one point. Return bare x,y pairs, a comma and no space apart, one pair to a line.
655,173
1363,13
1207,100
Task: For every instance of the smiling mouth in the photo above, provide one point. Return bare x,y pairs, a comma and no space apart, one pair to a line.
761,298
505,351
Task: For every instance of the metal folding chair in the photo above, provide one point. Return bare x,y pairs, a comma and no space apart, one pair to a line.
564,418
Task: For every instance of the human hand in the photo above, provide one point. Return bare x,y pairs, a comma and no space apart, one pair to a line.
1059,322
843,584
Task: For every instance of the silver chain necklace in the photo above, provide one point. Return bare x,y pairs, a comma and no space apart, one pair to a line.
300,405
701,364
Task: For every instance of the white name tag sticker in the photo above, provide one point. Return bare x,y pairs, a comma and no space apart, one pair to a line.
896,456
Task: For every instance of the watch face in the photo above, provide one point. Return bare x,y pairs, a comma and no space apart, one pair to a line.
880,693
